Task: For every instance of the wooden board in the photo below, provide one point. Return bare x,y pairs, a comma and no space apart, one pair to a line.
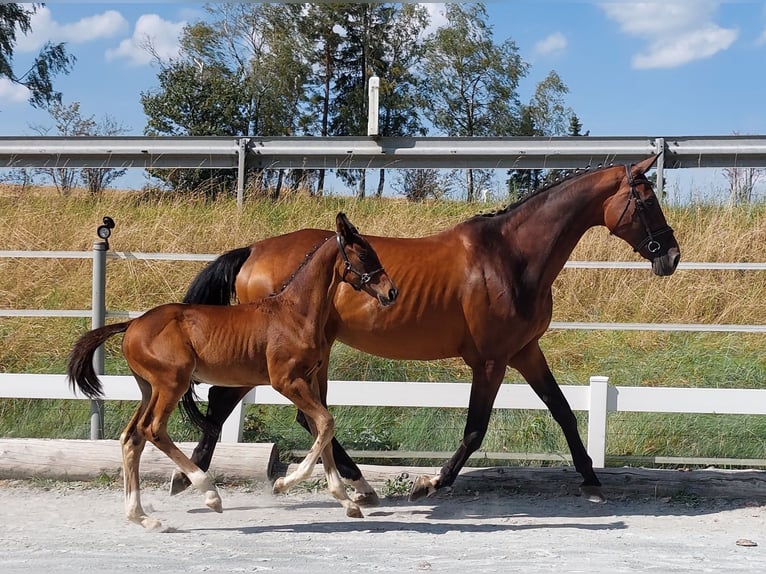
87,459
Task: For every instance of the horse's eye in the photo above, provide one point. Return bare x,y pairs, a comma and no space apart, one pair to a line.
650,202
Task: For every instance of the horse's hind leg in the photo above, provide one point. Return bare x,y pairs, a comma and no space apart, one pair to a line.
132,443
221,402
155,429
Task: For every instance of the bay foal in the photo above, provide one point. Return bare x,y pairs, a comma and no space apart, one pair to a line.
279,340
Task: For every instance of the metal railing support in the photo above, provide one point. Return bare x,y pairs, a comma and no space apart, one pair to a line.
98,320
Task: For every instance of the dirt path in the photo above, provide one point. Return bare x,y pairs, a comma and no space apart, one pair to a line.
75,527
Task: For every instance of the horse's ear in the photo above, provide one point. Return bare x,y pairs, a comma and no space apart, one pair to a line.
345,228
643,166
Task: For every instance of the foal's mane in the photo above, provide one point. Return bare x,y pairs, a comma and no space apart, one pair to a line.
302,264
547,186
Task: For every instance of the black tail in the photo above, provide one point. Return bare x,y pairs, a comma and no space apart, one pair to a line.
215,285
80,368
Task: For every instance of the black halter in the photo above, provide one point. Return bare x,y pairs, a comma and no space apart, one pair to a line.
651,244
364,278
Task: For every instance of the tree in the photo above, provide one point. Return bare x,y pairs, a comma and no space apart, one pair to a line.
469,83
242,73
50,61
69,122
546,115
420,184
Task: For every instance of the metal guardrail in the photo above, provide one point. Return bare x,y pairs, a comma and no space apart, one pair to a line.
375,152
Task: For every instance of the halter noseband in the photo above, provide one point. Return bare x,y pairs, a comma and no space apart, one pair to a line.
651,244
364,278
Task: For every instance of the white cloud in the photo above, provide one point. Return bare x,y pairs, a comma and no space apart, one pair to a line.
45,29
12,93
436,14
553,44
151,30
677,31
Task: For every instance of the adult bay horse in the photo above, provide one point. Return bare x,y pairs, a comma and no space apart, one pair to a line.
278,340
480,290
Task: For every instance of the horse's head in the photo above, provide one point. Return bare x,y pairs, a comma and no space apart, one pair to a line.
362,268
634,214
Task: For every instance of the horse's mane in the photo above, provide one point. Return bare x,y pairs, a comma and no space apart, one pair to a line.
548,185
302,264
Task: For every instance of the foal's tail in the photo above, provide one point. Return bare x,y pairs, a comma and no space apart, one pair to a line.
80,369
215,285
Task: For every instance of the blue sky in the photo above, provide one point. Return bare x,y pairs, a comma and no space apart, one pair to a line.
662,68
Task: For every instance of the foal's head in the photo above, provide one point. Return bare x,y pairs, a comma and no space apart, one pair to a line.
362,268
634,214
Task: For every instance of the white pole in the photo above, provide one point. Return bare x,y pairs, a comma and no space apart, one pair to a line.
372,113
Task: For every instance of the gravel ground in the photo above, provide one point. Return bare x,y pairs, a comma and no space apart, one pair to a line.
77,527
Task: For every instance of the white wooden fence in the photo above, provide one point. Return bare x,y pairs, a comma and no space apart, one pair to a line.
598,398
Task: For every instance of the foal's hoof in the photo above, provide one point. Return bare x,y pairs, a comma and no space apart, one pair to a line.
592,493
279,485
366,498
178,482
421,488
213,501
354,512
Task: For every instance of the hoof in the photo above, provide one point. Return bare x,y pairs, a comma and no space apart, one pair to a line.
592,493
367,498
178,482
213,502
421,488
354,512
278,487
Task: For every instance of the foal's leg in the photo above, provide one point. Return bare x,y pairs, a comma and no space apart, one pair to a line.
133,443
531,363
486,382
300,393
365,494
221,402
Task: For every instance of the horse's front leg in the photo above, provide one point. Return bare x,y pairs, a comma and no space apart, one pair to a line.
486,381
531,363
221,403
365,494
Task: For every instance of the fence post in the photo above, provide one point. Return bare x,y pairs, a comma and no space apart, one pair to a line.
98,319
241,165
599,394
232,427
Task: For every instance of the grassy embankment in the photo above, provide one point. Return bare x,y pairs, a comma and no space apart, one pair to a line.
706,233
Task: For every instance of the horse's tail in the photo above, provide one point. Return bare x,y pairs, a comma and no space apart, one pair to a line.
215,285
80,369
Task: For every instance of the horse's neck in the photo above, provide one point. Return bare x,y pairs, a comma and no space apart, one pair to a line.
549,226
310,292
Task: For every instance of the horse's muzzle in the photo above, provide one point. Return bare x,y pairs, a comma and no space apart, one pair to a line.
666,264
389,298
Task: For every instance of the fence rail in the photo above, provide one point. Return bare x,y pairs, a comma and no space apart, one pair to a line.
598,398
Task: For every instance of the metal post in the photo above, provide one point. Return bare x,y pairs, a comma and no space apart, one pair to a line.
241,156
98,320
372,112
660,165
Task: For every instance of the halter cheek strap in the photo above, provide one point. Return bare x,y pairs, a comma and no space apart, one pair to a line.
651,244
364,278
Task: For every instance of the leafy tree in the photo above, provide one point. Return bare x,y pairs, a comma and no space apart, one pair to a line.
69,122
469,83
421,184
242,73
50,61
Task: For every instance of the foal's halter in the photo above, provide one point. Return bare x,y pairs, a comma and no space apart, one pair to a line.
651,244
364,278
